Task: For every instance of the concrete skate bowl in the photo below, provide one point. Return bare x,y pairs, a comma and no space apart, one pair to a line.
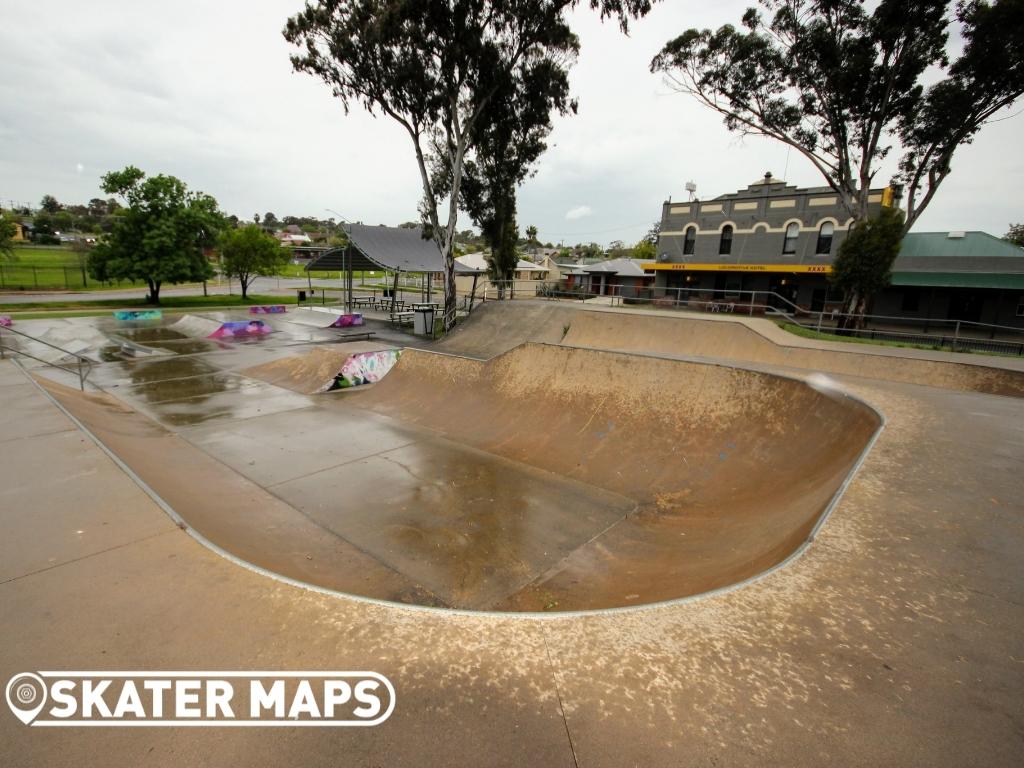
548,479
499,326
726,471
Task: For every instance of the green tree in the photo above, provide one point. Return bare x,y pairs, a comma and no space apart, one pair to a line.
845,86
645,250
434,67
507,141
531,235
248,252
1015,235
49,204
7,232
44,230
653,233
863,265
270,220
160,235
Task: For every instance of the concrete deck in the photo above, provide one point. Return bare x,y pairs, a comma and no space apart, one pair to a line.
895,640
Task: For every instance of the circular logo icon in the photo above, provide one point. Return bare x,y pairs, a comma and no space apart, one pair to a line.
26,696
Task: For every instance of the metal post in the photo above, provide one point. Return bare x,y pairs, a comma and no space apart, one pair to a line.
956,335
472,293
752,295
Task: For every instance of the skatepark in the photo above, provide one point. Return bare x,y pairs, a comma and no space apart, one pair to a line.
570,535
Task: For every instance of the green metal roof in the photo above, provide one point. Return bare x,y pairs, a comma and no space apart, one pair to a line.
959,279
940,244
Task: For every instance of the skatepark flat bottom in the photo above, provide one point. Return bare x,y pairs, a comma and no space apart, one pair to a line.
549,478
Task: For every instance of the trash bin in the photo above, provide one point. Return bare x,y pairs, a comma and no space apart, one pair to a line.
423,321
302,296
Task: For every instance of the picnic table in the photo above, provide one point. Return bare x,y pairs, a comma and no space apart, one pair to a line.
401,317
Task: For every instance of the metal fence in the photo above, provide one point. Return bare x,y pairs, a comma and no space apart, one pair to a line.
27,277
935,333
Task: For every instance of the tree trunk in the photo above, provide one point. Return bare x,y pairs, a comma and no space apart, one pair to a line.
244,282
853,313
154,291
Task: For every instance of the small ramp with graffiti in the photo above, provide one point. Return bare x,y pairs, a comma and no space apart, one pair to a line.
326,317
209,328
323,369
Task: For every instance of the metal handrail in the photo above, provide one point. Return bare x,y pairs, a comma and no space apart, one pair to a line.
80,360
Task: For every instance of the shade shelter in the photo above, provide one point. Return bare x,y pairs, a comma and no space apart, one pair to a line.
396,250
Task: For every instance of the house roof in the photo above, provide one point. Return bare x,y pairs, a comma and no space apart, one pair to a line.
624,267
479,262
967,259
957,244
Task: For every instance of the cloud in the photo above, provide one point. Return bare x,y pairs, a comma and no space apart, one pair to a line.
217,105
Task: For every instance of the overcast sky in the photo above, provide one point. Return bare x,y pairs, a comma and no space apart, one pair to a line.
205,91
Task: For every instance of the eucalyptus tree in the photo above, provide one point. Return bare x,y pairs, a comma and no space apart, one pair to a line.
434,67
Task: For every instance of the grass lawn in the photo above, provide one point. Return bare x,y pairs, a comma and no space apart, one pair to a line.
34,267
103,306
28,255
299,270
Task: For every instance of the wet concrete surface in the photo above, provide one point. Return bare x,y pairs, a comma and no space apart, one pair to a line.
470,527
894,641
480,496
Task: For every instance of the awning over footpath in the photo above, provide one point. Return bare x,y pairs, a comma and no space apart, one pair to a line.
392,249
959,279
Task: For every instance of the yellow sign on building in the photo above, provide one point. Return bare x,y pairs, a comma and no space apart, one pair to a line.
822,269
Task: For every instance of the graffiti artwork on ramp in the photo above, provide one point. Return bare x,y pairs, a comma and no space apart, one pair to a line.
366,368
348,321
138,314
240,328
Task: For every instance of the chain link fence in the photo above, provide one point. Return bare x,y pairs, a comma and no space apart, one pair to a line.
28,277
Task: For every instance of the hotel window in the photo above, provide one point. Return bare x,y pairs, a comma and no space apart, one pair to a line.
789,244
689,241
825,239
725,244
